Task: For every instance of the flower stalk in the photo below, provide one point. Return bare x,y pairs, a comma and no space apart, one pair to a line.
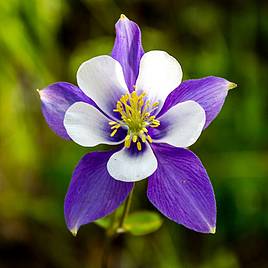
127,205
115,229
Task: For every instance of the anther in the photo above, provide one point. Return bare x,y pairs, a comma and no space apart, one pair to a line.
113,133
149,138
143,138
116,126
135,138
139,146
127,141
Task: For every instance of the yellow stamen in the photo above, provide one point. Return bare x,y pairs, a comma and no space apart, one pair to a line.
135,112
115,127
143,138
135,138
113,133
149,139
127,141
139,146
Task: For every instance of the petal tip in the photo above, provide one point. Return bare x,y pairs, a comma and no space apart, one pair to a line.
212,230
74,231
231,85
123,17
43,95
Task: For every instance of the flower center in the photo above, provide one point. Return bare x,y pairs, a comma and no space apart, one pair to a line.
135,113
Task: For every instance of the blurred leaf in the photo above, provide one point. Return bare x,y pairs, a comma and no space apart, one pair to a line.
104,222
107,221
143,222
137,223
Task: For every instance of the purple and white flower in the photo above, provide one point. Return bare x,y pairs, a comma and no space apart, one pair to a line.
136,102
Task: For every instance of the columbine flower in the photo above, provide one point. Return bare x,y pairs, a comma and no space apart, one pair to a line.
136,102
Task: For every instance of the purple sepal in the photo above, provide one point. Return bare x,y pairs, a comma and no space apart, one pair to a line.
56,99
209,92
181,190
128,49
93,193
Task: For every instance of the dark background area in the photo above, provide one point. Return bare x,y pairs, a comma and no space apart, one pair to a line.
43,41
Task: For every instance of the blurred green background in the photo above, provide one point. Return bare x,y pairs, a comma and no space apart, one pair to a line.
43,41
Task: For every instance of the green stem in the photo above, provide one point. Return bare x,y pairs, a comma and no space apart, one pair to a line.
115,229
125,211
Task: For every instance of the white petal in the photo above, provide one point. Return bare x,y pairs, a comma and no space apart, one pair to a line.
126,166
159,74
102,79
182,124
87,126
